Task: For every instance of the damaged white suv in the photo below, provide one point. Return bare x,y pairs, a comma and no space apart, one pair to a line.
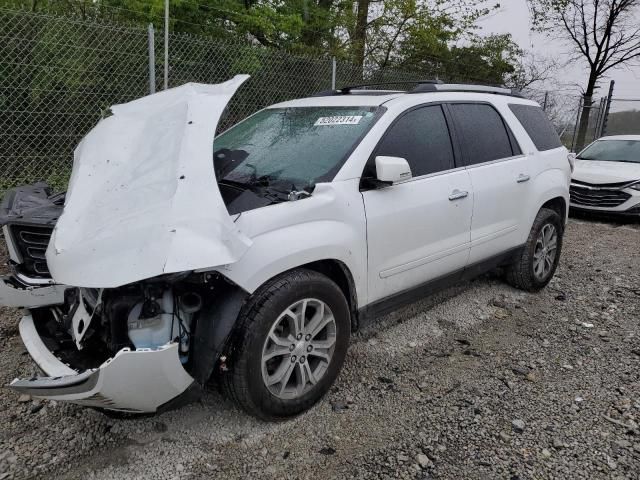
251,258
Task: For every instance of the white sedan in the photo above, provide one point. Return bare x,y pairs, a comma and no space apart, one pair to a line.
606,178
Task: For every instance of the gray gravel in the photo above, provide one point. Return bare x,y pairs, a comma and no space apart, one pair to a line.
482,381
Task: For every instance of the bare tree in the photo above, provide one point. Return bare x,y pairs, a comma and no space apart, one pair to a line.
531,70
605,33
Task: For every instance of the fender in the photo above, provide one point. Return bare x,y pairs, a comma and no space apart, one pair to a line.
328,225
280,250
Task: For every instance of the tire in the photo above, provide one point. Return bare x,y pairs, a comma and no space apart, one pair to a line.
522,273
263,318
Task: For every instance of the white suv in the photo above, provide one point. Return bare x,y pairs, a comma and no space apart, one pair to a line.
316,215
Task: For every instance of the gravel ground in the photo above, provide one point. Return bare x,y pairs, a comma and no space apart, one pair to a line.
482,381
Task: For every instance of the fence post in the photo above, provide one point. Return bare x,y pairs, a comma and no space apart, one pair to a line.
605,119
575,125
152,60
166,44
333,73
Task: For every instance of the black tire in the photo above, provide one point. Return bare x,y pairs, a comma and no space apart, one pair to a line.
520,273
243,383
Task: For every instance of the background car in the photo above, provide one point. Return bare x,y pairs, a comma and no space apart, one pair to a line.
606,178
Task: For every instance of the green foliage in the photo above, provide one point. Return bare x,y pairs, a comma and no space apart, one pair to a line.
431,36
59,71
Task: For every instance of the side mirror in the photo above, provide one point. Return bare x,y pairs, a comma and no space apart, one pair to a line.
390,170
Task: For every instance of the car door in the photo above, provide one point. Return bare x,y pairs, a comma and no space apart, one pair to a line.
417,230
500,177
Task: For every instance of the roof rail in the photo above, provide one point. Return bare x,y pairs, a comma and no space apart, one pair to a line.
464,87
422,86
347,89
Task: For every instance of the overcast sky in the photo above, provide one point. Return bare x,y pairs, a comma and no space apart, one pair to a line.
514,18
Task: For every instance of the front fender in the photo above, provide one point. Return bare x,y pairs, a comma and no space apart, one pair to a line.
283,249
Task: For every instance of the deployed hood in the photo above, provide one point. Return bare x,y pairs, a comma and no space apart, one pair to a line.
143,198
596,172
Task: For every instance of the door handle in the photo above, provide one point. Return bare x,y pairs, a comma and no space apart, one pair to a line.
457,194
523,178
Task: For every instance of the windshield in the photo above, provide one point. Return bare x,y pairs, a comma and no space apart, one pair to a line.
612,151
290,148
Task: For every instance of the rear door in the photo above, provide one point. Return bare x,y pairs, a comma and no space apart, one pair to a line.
500,176
417,230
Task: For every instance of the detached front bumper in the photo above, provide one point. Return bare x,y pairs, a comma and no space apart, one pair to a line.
20,291
137,381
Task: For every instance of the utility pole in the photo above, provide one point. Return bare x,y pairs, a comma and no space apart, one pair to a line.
166,44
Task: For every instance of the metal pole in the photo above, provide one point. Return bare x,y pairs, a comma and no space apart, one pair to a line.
333,73
605,120
166,44
152,60
575,125
600,118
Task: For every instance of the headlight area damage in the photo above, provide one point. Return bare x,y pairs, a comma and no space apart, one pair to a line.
143,347
116,316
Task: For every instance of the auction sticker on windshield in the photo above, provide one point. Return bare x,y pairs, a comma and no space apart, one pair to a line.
338,120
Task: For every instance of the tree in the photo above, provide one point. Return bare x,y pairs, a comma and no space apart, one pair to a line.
532,69
603,33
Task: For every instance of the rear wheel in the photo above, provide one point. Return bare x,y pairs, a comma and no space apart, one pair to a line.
537,263
290,345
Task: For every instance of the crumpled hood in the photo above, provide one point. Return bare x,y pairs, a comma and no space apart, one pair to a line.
143,198
596,172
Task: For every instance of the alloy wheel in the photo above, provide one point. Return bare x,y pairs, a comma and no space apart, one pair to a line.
299,348
544,254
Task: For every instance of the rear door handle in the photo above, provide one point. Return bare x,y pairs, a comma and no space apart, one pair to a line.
523,178
457,194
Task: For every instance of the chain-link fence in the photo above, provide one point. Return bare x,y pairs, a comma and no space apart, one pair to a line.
624,117
57,75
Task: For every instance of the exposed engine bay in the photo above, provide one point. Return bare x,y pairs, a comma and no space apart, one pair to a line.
143,315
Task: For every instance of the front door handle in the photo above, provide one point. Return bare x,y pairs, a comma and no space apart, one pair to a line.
523,178
457,194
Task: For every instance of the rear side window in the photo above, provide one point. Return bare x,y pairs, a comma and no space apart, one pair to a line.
537,125
421,136
483,134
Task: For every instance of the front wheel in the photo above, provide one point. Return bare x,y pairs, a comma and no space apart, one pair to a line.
537,263
290,344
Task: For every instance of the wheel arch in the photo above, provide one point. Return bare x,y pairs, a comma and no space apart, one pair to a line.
341,275
559,205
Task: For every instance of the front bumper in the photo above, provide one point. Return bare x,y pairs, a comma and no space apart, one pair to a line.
630,207
137,381
20,291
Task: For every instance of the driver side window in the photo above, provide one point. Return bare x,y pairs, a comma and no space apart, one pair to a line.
421,136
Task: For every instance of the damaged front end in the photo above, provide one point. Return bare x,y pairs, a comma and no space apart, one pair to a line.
27,217
115,314
138,348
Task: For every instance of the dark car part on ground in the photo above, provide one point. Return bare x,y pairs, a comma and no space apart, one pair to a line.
28,214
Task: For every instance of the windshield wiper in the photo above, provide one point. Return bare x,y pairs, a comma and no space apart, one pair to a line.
258,187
